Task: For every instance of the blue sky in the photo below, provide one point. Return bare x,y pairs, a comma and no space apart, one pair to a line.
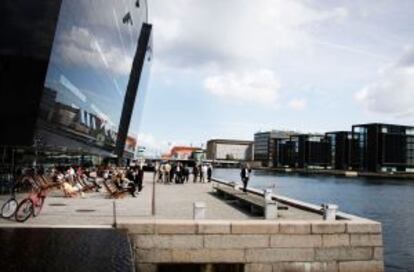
227,69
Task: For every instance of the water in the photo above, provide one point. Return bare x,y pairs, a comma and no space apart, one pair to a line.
390,202
64,250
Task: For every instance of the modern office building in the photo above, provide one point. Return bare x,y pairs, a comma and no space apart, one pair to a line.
384,148
341,147
71,72
264,146
286,155
307,151
222,149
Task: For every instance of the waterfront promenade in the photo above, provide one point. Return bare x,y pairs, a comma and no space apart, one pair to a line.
173,201
298,239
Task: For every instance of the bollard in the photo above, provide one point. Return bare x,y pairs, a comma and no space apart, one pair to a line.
329,211
268,194
199,210
270,210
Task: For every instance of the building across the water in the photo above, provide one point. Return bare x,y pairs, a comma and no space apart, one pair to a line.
264,146
71,72
341,146
183,152
225,149
308,150
384,148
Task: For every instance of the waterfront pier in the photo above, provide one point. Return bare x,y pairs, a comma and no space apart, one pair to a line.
230,237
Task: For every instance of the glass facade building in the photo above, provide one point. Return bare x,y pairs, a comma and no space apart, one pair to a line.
265,147
341,146
304,151
384,148
68,74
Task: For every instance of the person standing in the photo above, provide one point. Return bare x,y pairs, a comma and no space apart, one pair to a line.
195,173
209,172
245,176
167,173
204,169
139,177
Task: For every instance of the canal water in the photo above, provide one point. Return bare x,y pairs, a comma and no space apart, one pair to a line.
388,201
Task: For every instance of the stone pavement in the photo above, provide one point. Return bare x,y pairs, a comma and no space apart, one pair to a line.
173,201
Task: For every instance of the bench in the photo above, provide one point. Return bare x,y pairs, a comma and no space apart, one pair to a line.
113,191
257,203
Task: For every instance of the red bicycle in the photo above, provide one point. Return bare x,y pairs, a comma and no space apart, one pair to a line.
31,205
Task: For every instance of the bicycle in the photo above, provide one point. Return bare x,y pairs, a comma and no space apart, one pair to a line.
31,205
8,209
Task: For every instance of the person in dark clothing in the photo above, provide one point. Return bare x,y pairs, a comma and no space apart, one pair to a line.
139,177
186,173
195,173
245,175
209,173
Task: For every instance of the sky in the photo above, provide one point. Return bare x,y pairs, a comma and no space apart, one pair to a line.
228,69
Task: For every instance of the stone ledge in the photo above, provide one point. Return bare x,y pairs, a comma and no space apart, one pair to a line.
295,227
363,227
305,267
168,241
236,241
358,266
335,240
279,254
343,254
295,241
366,240
214,227
208,256
379,253
328,227
175,227
254,227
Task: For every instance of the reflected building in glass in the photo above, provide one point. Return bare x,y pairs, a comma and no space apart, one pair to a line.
70,74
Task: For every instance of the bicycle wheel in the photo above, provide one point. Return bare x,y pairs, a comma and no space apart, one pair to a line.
9,208
38,206
24,210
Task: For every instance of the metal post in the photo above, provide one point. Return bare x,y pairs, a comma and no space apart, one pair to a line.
153,196
114,213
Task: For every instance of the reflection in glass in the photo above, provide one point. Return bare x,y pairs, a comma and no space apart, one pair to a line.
88,71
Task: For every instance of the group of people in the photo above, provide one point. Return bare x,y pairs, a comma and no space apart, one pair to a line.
179,173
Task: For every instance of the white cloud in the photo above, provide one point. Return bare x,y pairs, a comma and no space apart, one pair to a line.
392,92
298,104
153,145
192,32
257,87
79,47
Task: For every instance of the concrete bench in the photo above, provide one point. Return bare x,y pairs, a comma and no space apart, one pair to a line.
257,203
